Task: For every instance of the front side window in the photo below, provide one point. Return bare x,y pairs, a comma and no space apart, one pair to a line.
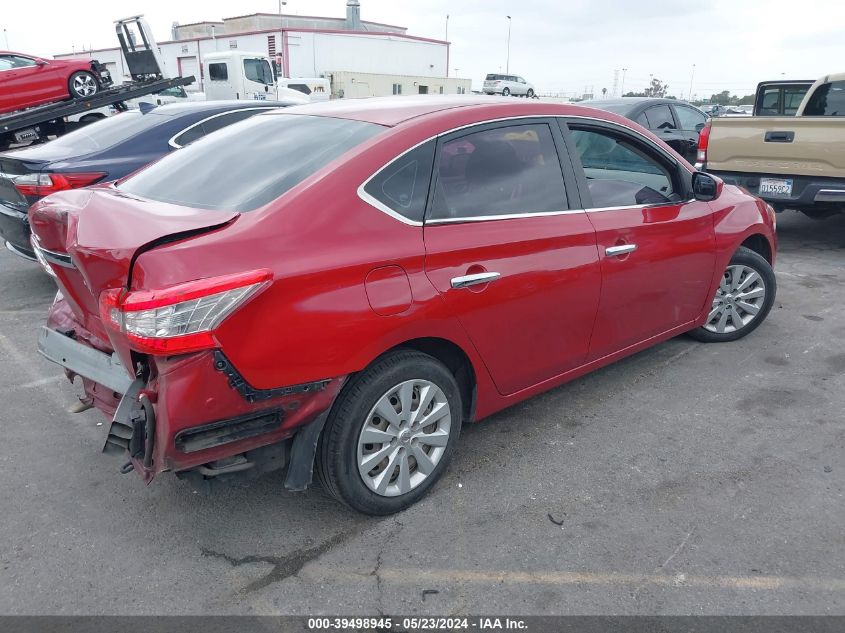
660,118
688,118
827,100
497,172
620,173
402,186
258,70
218,72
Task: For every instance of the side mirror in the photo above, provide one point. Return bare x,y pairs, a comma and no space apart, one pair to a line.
699,127
706,187
40,62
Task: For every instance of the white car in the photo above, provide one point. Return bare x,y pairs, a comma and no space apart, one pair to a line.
495,84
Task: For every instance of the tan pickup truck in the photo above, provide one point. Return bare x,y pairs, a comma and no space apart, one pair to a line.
791,162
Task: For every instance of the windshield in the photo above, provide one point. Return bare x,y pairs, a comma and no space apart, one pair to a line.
248,164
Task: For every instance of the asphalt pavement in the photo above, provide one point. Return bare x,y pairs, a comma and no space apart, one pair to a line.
688,479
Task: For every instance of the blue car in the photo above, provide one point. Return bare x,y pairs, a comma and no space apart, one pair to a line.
106,150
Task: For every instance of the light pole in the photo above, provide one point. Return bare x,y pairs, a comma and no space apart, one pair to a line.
508,62
278,56
622,89
6,35
446,39
691,77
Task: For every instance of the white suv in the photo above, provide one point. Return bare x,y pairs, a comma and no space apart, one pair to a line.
495,84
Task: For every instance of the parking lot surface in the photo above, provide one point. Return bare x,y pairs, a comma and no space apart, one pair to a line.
687,479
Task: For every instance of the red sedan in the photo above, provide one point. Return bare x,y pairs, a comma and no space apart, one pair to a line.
346,284
27,81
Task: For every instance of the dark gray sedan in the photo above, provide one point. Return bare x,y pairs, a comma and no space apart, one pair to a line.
675,122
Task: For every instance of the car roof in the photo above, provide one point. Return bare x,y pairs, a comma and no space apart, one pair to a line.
631,101
392,111
178,109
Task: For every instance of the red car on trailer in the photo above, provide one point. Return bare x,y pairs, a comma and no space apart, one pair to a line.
27,81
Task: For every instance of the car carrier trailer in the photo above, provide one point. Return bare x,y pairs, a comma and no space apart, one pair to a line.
148,77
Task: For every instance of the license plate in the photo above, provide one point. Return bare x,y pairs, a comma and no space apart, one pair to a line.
28,134
776,187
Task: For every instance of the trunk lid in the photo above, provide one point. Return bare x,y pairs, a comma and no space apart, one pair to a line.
102,231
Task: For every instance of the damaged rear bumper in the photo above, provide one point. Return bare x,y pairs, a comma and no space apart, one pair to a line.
196,415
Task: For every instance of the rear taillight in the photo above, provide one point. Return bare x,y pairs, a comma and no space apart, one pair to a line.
180,318
703,141
40,185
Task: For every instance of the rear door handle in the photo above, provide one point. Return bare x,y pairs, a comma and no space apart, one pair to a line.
622,249
473,280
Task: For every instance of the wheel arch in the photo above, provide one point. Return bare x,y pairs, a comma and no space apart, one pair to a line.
456,360
758,243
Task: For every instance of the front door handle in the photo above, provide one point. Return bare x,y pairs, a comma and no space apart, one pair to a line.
622,249
473,280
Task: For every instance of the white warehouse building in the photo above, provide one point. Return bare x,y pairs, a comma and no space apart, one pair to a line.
359,57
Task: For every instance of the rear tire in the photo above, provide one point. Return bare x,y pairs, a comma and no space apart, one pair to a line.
83,85
742,301
506,92
406,404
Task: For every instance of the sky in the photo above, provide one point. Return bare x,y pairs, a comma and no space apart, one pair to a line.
562,47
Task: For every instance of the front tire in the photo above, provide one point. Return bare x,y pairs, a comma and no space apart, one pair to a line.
530,93
742,301
83,85
391,433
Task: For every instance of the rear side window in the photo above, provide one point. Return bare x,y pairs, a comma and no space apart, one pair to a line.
620,173
827,100
660,118
497,172
249,164
402,186
218,72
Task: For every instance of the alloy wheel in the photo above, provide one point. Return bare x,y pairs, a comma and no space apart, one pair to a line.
84,85
738,300
404,437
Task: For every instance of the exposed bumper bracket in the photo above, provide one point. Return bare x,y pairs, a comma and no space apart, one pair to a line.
83,360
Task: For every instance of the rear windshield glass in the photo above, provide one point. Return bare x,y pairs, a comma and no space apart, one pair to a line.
102,134
827,100
249,164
